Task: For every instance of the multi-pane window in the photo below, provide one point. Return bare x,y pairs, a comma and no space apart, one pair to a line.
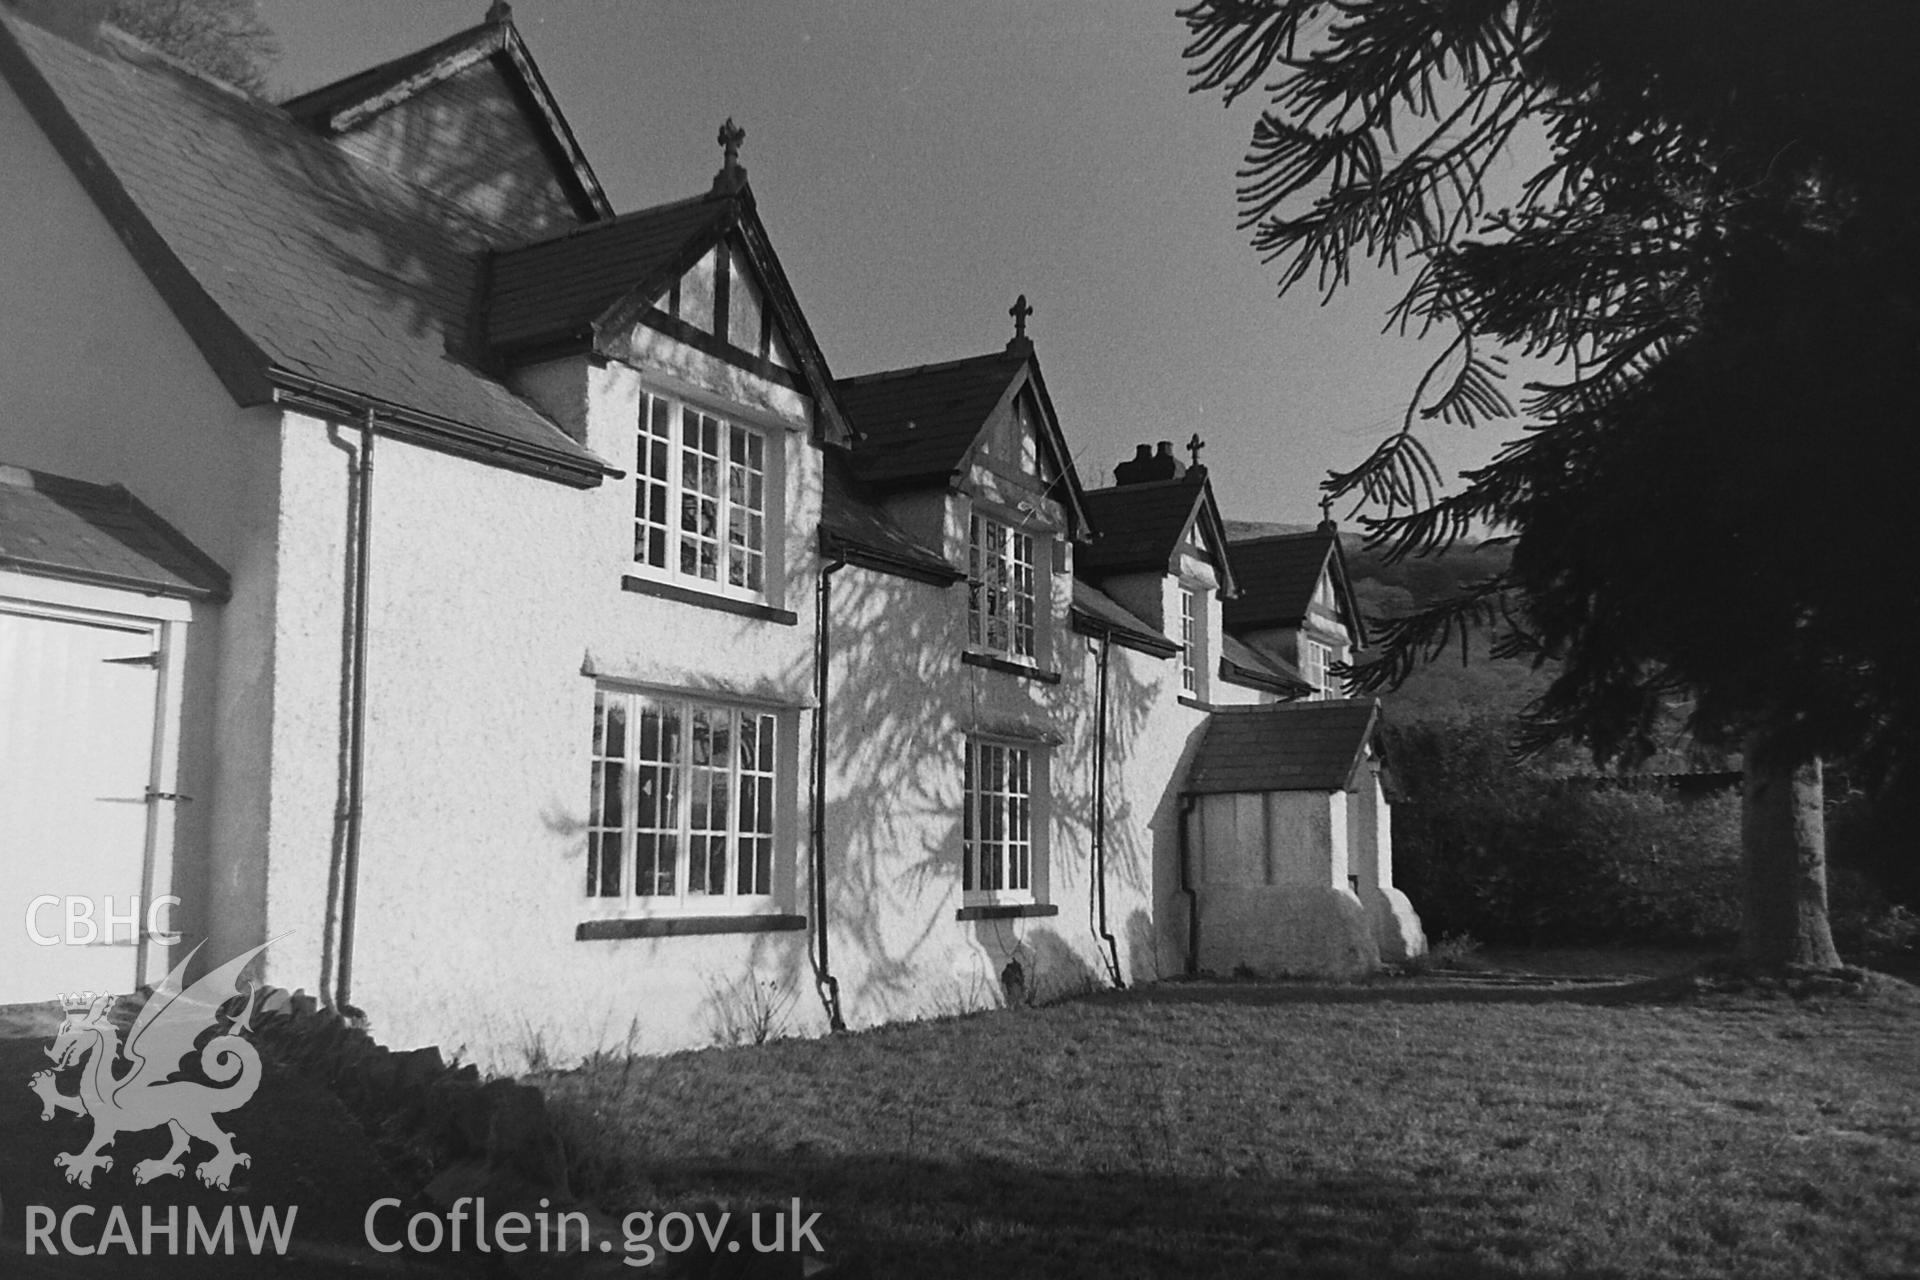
682,802
1313,667
1000,588
997,823
1189,640
700,498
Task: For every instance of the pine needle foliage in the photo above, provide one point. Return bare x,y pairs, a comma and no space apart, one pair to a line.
1709,500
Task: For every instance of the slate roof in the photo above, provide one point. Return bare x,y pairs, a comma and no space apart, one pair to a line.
1277,577
1137,526
51,526
855,527
1255,667
293,266
553,290
1285,746
1097,613
917,424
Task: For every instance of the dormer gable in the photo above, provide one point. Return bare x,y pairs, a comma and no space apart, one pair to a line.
699,273
1289,580
944,425
471,119
1156,520
720,304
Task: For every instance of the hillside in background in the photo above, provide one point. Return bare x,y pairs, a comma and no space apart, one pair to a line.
1445,687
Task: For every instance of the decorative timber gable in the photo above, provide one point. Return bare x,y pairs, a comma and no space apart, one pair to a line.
984,425
697,275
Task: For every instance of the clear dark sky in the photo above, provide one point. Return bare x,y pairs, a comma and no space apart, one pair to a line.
920,163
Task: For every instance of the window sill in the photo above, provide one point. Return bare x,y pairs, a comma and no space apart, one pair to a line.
706,600
683,926
1187,700
1021,669
1007,911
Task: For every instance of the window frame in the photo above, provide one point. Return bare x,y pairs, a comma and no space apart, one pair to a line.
756,824
1315,672
1028,816
731,431
1192,623
1010,572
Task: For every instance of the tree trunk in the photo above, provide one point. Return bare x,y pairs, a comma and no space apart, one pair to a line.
1783,842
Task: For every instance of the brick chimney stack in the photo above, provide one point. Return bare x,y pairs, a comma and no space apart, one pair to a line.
1146,465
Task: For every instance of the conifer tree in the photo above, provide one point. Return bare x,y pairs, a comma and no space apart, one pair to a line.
1708,505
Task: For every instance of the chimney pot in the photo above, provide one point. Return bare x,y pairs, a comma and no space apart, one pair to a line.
1147,466
1138,469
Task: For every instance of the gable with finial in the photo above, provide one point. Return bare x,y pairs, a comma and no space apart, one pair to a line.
694,284
1291,578
1158,512
472,119
985,423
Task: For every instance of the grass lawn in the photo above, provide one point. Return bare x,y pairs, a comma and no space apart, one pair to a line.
1414,1127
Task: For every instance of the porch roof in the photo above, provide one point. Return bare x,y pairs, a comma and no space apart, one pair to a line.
1286,746
54,527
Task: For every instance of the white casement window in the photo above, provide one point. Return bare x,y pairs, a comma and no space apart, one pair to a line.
682,808
1313,667
1001,588
997,826
1189,641
700,499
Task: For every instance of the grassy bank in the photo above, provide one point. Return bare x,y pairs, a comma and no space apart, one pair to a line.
1434,1127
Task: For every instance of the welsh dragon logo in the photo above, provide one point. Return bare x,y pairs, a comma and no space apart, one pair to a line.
143,1094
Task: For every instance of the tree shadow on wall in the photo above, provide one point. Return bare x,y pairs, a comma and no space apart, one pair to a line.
900,708
361,274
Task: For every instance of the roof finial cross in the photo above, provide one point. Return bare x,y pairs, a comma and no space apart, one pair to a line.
1194,446
731,136
1326,508
1020,311
732,178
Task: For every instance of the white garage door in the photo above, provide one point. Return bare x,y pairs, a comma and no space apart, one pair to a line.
78,700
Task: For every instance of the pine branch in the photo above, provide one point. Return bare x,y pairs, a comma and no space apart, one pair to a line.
1410,641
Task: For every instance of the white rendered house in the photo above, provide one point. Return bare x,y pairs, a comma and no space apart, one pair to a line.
523,624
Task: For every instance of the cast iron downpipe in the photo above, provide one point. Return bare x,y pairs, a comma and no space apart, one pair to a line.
1101,932
356,715
824,981
1187,801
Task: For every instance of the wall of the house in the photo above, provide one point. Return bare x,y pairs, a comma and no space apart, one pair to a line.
495,599
98,381
1396,926
496,607
1275,897
901,705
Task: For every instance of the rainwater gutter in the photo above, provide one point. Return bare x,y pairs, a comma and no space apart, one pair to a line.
356,755
824,981
336,963
1102,933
